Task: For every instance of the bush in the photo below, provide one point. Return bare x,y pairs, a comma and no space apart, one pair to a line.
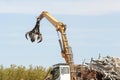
22,73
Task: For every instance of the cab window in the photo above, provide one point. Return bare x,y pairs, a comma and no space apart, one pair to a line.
65,70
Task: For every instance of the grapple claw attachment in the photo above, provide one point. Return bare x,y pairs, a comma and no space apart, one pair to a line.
34,32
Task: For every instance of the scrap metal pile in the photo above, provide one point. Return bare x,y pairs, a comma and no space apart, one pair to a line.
107,66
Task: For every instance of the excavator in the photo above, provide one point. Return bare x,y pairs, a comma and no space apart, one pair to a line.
60,71
66,71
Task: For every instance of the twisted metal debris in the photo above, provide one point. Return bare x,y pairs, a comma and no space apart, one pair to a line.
108,66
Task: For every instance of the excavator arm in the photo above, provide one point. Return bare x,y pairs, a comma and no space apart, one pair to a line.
61,28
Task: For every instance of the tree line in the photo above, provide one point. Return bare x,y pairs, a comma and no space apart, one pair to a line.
22,73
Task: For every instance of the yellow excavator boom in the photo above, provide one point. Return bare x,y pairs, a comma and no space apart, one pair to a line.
61,27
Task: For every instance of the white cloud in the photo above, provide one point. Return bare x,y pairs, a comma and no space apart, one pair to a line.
93,7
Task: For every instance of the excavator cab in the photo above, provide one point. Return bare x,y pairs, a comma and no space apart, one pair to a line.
60,72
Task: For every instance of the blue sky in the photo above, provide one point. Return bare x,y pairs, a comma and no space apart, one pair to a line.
93,27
